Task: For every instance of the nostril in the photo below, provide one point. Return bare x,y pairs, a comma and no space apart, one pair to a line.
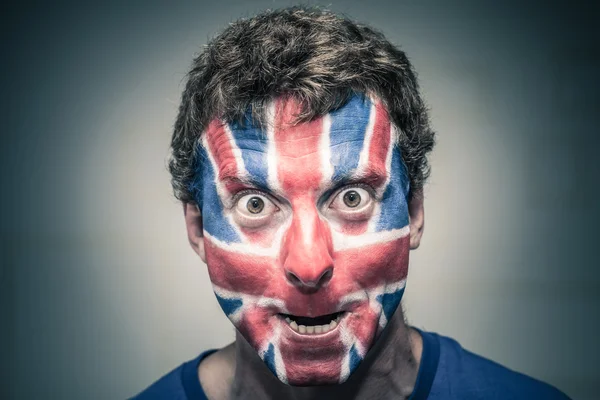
325,276
294,280
310,283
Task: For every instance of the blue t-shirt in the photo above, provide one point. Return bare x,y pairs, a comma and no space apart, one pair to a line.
447,372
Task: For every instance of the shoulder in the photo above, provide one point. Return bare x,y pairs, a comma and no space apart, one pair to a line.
169,386
462,374
195,379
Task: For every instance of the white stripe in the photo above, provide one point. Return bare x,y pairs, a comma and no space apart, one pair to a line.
363,160
377,306
242,248
345,242
272,179
370,294
222,192
277,357
249,301
372,226
237,153
252,249
325,152
388,159
236,316
348,339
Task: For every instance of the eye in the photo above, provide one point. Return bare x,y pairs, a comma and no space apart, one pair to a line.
352,198
353,203
255,205
254,209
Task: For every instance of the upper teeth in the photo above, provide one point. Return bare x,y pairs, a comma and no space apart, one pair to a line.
312,329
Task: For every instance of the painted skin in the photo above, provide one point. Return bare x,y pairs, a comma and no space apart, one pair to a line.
306,220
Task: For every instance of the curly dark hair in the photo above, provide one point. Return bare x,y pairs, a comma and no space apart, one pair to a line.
317,57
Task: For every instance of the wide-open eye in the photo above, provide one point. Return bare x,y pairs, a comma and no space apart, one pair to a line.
353,203
254,209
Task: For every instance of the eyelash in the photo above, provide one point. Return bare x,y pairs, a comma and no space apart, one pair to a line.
361,185
244,192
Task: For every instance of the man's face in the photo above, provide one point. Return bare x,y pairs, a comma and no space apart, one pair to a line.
306,235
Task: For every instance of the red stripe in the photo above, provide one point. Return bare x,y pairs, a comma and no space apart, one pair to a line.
247,274
364,332
299,173
368,266
381,139
221,151
311,361
297,147
354,228
257,326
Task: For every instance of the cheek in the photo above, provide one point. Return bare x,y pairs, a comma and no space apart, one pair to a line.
377,264
259,237
265,236
351,228
238,272
256,325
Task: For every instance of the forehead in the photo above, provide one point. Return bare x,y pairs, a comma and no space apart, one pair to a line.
355,139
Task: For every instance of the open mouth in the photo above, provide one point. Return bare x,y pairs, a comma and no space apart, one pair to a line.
313,326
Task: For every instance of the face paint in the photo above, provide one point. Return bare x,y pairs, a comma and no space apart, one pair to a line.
306,234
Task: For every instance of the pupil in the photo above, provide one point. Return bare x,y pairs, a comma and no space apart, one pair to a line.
352,198
255,205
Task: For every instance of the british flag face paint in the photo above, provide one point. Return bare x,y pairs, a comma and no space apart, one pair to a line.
306,234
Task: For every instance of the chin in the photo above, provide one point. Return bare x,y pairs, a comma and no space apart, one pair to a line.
314,379
313,357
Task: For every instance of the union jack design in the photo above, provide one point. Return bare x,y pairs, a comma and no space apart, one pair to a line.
305,164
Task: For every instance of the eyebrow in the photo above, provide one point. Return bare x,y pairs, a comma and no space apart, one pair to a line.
250,181
370,174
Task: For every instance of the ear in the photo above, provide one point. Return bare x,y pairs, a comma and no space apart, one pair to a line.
193,223
416,215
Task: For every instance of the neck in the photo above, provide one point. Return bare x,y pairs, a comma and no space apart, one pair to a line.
388,371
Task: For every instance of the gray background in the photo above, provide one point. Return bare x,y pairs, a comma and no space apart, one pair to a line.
100,293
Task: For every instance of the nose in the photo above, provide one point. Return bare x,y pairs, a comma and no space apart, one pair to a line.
308,263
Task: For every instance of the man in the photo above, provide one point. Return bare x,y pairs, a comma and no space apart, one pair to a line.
299,154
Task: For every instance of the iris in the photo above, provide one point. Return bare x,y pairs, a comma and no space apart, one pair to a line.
352,198
255,205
